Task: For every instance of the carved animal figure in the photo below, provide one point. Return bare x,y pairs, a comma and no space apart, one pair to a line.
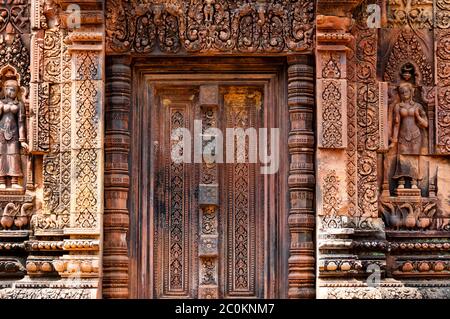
7,219
425,220
334,23
22,219
411,216
392,216
44,221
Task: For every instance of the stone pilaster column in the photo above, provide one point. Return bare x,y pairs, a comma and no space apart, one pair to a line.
301,177
117,181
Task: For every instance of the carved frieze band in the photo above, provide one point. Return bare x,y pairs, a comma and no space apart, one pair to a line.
219,26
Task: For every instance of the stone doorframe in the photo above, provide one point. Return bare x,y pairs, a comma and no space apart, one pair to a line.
151,77
166,34
299,182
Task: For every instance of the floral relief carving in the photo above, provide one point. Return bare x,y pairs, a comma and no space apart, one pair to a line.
16,54
15,17
331,198
442,13
366,120
332,115
332,67
54,113
417,14
443,92
46,293
87,119
408,48
395,183
443,120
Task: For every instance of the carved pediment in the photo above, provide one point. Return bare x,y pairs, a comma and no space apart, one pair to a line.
209,26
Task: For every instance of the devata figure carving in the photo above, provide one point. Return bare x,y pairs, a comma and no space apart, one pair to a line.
12,133
409,121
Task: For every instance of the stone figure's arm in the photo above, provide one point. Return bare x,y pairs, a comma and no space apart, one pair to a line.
396,124
421,117
21,120
22,128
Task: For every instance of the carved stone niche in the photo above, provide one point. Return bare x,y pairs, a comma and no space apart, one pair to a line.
413,180
409,194
410,200
16,186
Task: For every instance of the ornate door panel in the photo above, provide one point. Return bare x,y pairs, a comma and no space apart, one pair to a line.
242,203
208,218
175,203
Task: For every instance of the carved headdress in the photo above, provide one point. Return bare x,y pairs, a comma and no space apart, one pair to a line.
10,78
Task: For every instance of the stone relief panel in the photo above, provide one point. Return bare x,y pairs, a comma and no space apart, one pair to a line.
416,14
442,14
53,127
331,84
332,113
413,199
48,196
17,188
410,192
442,94
392,225
216,26
367,120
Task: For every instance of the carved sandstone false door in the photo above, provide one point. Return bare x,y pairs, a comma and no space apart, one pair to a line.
208,233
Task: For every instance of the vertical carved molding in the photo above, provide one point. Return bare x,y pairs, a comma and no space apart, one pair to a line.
85,151
209,200
336,151
351,163
443,91
301,177
367,117
117,145
332,96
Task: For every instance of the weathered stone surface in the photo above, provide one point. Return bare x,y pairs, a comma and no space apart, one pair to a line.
90,196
